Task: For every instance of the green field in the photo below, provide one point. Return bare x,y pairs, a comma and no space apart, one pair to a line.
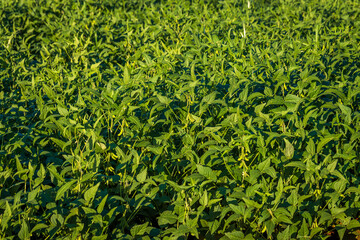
219,119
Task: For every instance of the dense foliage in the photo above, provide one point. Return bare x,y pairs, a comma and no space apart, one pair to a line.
179,119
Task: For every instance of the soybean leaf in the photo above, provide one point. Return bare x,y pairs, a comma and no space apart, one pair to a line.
91,192
63,189
206,172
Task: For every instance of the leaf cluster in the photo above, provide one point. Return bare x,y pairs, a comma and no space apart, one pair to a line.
179,119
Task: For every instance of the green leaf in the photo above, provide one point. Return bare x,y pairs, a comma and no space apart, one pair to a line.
167,217
95,66
271,172
293,198
346,111
58,142
6,216
100,208
341,231
315,231
324,217
7,212
293,98
280,185
33,194
304,231
64,188
209,99
297,164
38,227
141,177
323,142
181,231
244,94
289,149
206,172
284,235
214,201
63,111
352,190
332,166
270,226
126,75
264,165
353,224
248,237
310,148
54,172
340,185
237,209
204,199
19,165
49,92
91,192
101,237
252,203
24,231
138,230
235,235
164,100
